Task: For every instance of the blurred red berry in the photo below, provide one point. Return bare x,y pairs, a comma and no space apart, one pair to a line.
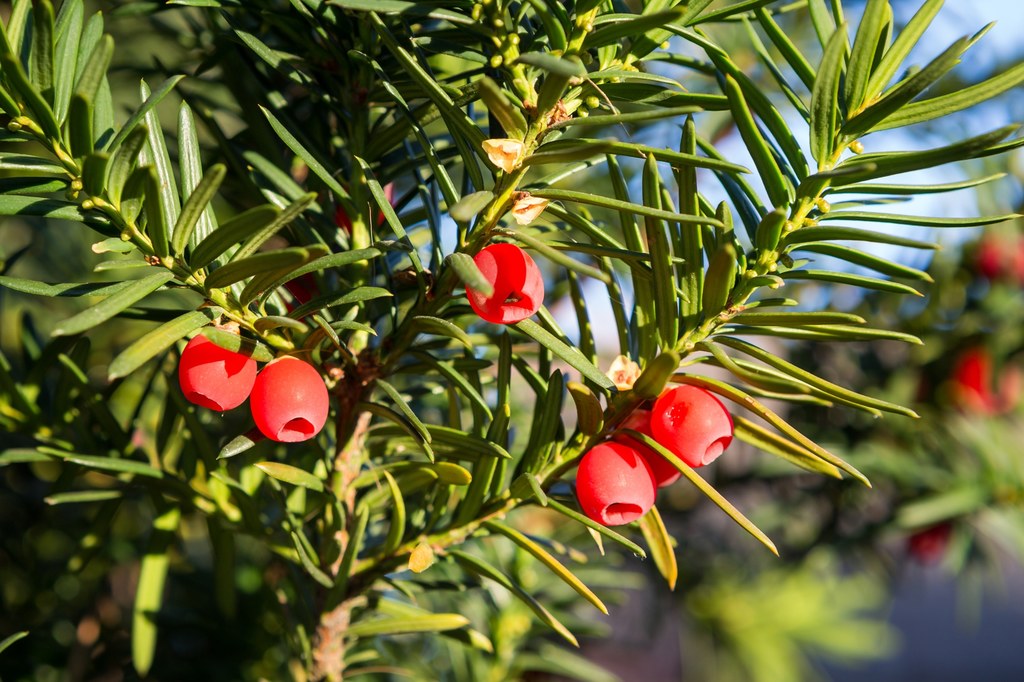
302,289
990,257
289,401
518,285
1001,257
215,377
342,220
614,485
692,423
664,473
929,546
1017,263
972,382
974,386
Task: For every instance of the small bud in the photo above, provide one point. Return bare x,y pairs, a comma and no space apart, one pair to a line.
656,374
421,558
593,102
623,373
496,61
527,208
856,147
14,126
504,153
88,204
822,205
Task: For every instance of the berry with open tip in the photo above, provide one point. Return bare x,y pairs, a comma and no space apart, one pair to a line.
692,423
517,281
614,485
289,401
664,473
215,377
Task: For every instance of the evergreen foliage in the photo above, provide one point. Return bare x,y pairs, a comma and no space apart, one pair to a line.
267,209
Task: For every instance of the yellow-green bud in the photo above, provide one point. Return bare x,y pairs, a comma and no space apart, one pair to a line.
656,374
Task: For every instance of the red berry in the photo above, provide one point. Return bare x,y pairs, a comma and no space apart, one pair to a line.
1001,257
692,423
289,401
928,546
215,377
302,289
972,382
518,285
664,473
614,485
991,257
974,388
1017,263
342,220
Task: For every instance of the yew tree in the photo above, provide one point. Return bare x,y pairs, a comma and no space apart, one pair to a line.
372,204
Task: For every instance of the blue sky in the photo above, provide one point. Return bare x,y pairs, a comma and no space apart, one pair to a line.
1001,45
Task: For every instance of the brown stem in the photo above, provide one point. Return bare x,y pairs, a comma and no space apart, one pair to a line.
329,643
352,430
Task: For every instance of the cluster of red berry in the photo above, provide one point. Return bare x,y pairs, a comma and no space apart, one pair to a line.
617,481
288,399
